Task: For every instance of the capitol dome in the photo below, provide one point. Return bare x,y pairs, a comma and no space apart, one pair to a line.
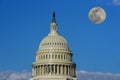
53,40
53,58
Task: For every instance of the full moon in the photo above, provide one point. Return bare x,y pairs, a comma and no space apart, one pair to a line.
97,15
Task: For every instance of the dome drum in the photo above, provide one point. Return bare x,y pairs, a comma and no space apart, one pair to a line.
54,57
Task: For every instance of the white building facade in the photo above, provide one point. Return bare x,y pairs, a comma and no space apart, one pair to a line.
53,58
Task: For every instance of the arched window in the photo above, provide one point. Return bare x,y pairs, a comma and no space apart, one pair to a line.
52,56
49,56
61,56
58,56
55,56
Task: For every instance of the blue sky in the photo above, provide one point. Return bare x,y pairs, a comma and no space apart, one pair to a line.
24,23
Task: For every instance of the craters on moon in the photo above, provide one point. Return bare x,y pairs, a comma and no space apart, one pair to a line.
97,15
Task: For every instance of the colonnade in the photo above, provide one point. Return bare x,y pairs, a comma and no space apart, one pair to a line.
53,70
55,56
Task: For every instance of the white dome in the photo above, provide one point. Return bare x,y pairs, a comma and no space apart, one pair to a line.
53,41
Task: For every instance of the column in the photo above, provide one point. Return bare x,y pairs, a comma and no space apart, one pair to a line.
61,69
60,56
65,69
43,69
68,70
47,69
54,69
36,70
73,71
50,69
57,69
45,57
40,70
32,71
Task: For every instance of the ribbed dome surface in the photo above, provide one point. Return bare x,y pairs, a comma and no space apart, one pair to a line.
53,41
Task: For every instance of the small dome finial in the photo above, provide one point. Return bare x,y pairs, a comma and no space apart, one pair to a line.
53,24
53,17
54,14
